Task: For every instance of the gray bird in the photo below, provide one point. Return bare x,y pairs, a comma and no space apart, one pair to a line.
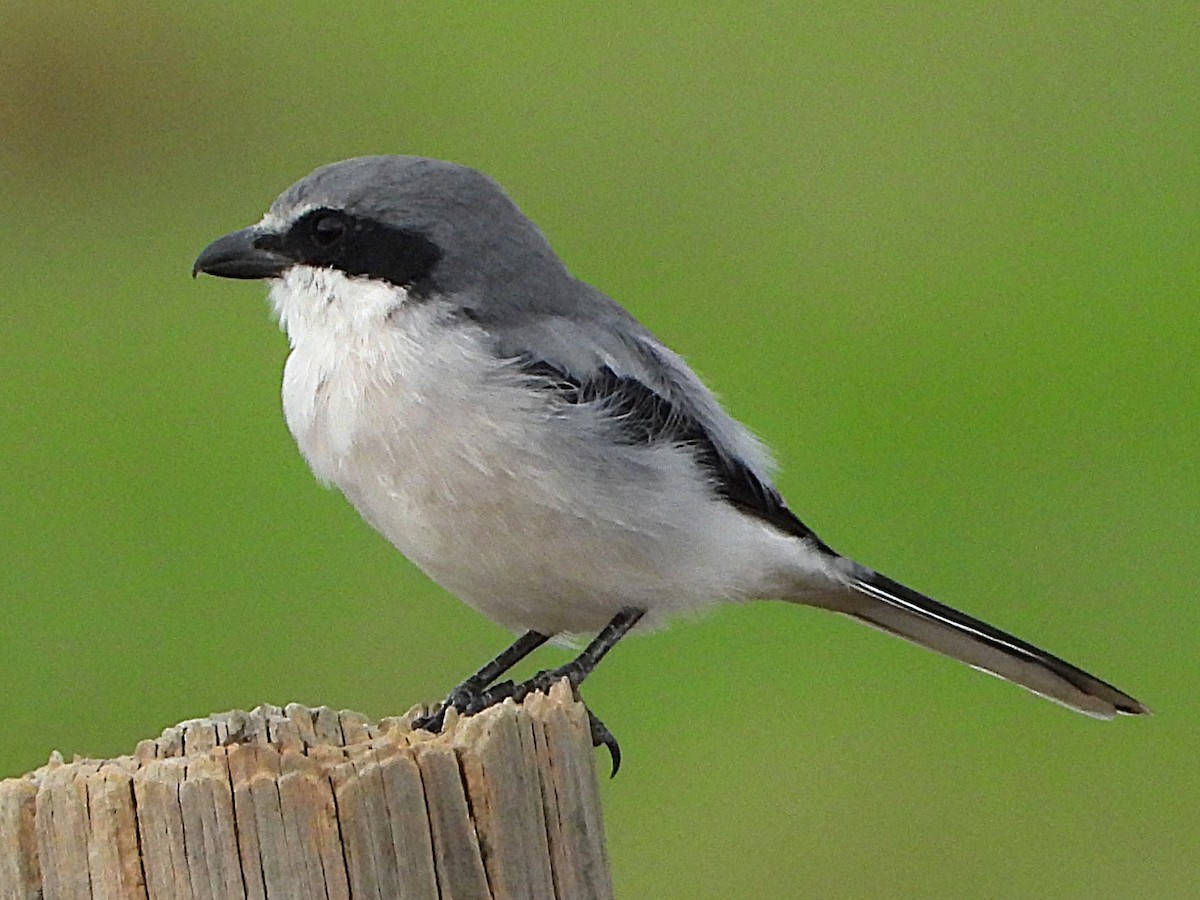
534,449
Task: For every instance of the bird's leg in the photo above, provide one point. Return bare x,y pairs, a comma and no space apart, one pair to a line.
575,672
466,693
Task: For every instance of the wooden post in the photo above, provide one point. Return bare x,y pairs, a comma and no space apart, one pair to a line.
312,803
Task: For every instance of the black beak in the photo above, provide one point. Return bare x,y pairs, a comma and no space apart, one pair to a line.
241,255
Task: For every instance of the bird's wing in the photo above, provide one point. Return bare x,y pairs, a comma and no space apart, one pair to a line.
651,396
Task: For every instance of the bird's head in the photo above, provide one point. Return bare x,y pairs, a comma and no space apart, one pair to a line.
427,227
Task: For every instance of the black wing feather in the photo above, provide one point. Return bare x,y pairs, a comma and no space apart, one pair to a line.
644,416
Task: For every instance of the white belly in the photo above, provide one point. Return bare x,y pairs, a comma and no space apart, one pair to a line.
512,509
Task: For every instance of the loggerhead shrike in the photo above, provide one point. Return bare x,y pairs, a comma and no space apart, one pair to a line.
534,449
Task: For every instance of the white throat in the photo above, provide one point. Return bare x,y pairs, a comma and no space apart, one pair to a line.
328,304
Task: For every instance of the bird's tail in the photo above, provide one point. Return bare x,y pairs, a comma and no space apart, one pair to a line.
890,606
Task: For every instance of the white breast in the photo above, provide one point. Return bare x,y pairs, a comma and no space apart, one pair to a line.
366,364
385,400
517,510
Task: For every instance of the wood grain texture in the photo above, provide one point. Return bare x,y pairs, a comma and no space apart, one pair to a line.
305,803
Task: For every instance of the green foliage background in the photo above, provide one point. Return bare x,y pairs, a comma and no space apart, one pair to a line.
944,260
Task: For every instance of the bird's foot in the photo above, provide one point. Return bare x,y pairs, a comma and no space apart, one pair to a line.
542,682
462,699
468,699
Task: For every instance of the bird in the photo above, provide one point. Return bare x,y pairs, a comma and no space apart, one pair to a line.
535,450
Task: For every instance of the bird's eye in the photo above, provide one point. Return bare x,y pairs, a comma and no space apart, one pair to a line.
328,230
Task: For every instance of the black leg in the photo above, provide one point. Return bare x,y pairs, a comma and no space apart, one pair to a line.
575,672
581,666
465,694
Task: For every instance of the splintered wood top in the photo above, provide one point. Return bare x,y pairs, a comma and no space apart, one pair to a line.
300,802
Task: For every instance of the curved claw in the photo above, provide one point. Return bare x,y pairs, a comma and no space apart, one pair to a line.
433,722
601,736
468,703
461,699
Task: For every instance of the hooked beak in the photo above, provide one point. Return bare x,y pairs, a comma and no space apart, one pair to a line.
242,254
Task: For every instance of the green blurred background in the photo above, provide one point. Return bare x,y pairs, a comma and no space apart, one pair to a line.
944,261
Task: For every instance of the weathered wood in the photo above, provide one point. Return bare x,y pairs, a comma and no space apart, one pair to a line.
313,803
